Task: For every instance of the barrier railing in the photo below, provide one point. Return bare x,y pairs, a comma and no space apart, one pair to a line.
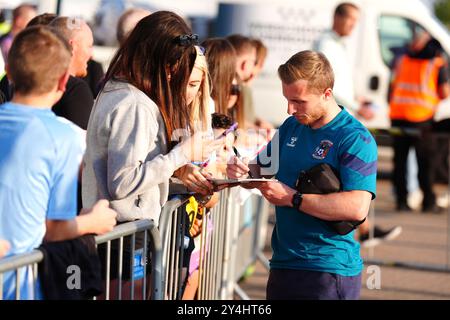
246,240
172,224
226,250
22,266
26,265
252,233
397,131
131,229
215,261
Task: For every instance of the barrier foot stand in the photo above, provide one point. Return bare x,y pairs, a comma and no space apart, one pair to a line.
241,293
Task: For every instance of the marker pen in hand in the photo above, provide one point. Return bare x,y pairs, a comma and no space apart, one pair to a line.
204,164
223,135
232,128
236,152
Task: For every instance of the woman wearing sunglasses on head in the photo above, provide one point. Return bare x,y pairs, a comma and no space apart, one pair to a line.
143,104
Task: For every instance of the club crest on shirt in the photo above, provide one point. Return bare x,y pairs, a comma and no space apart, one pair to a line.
292,142
322,149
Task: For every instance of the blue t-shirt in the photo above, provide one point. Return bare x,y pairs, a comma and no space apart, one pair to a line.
40,155
299,240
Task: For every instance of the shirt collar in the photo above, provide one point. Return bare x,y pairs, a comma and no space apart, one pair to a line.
24,108
337,37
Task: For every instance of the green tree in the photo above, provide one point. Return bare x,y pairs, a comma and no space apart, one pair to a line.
442,11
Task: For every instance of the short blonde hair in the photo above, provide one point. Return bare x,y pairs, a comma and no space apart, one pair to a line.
38,58
311,66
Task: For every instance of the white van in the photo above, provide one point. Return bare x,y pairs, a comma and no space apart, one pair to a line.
287,27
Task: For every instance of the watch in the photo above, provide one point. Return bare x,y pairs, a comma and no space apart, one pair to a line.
297,199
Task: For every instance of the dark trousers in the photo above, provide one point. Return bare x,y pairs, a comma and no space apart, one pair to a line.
424,147
288,284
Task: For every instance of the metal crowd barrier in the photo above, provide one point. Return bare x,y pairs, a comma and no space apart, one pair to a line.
172,224
225,252
130,229
21,265
235,242
254,215
215,252
397,131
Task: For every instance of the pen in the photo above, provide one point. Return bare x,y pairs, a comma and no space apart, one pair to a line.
224,134
236,152
232,128
204,164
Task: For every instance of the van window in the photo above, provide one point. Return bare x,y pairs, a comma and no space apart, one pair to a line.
395,33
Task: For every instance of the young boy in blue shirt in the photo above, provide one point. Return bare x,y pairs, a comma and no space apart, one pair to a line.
40,156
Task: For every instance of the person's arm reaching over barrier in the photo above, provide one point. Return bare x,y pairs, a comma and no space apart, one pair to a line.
196,180
99,219
62,223
130,171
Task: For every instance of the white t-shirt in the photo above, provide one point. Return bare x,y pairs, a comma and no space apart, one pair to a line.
334,48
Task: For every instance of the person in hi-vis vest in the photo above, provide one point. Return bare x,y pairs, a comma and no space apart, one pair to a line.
419,82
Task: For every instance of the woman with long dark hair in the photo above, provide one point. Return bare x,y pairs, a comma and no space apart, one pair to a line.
226,85
130,155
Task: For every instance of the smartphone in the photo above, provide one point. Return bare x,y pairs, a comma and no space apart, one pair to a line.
230,129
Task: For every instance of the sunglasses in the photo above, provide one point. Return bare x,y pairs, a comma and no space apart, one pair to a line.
235,89
188,39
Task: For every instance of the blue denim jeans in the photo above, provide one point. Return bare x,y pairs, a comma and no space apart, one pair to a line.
288,284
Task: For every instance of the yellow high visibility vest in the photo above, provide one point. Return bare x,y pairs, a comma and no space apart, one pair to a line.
414,89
